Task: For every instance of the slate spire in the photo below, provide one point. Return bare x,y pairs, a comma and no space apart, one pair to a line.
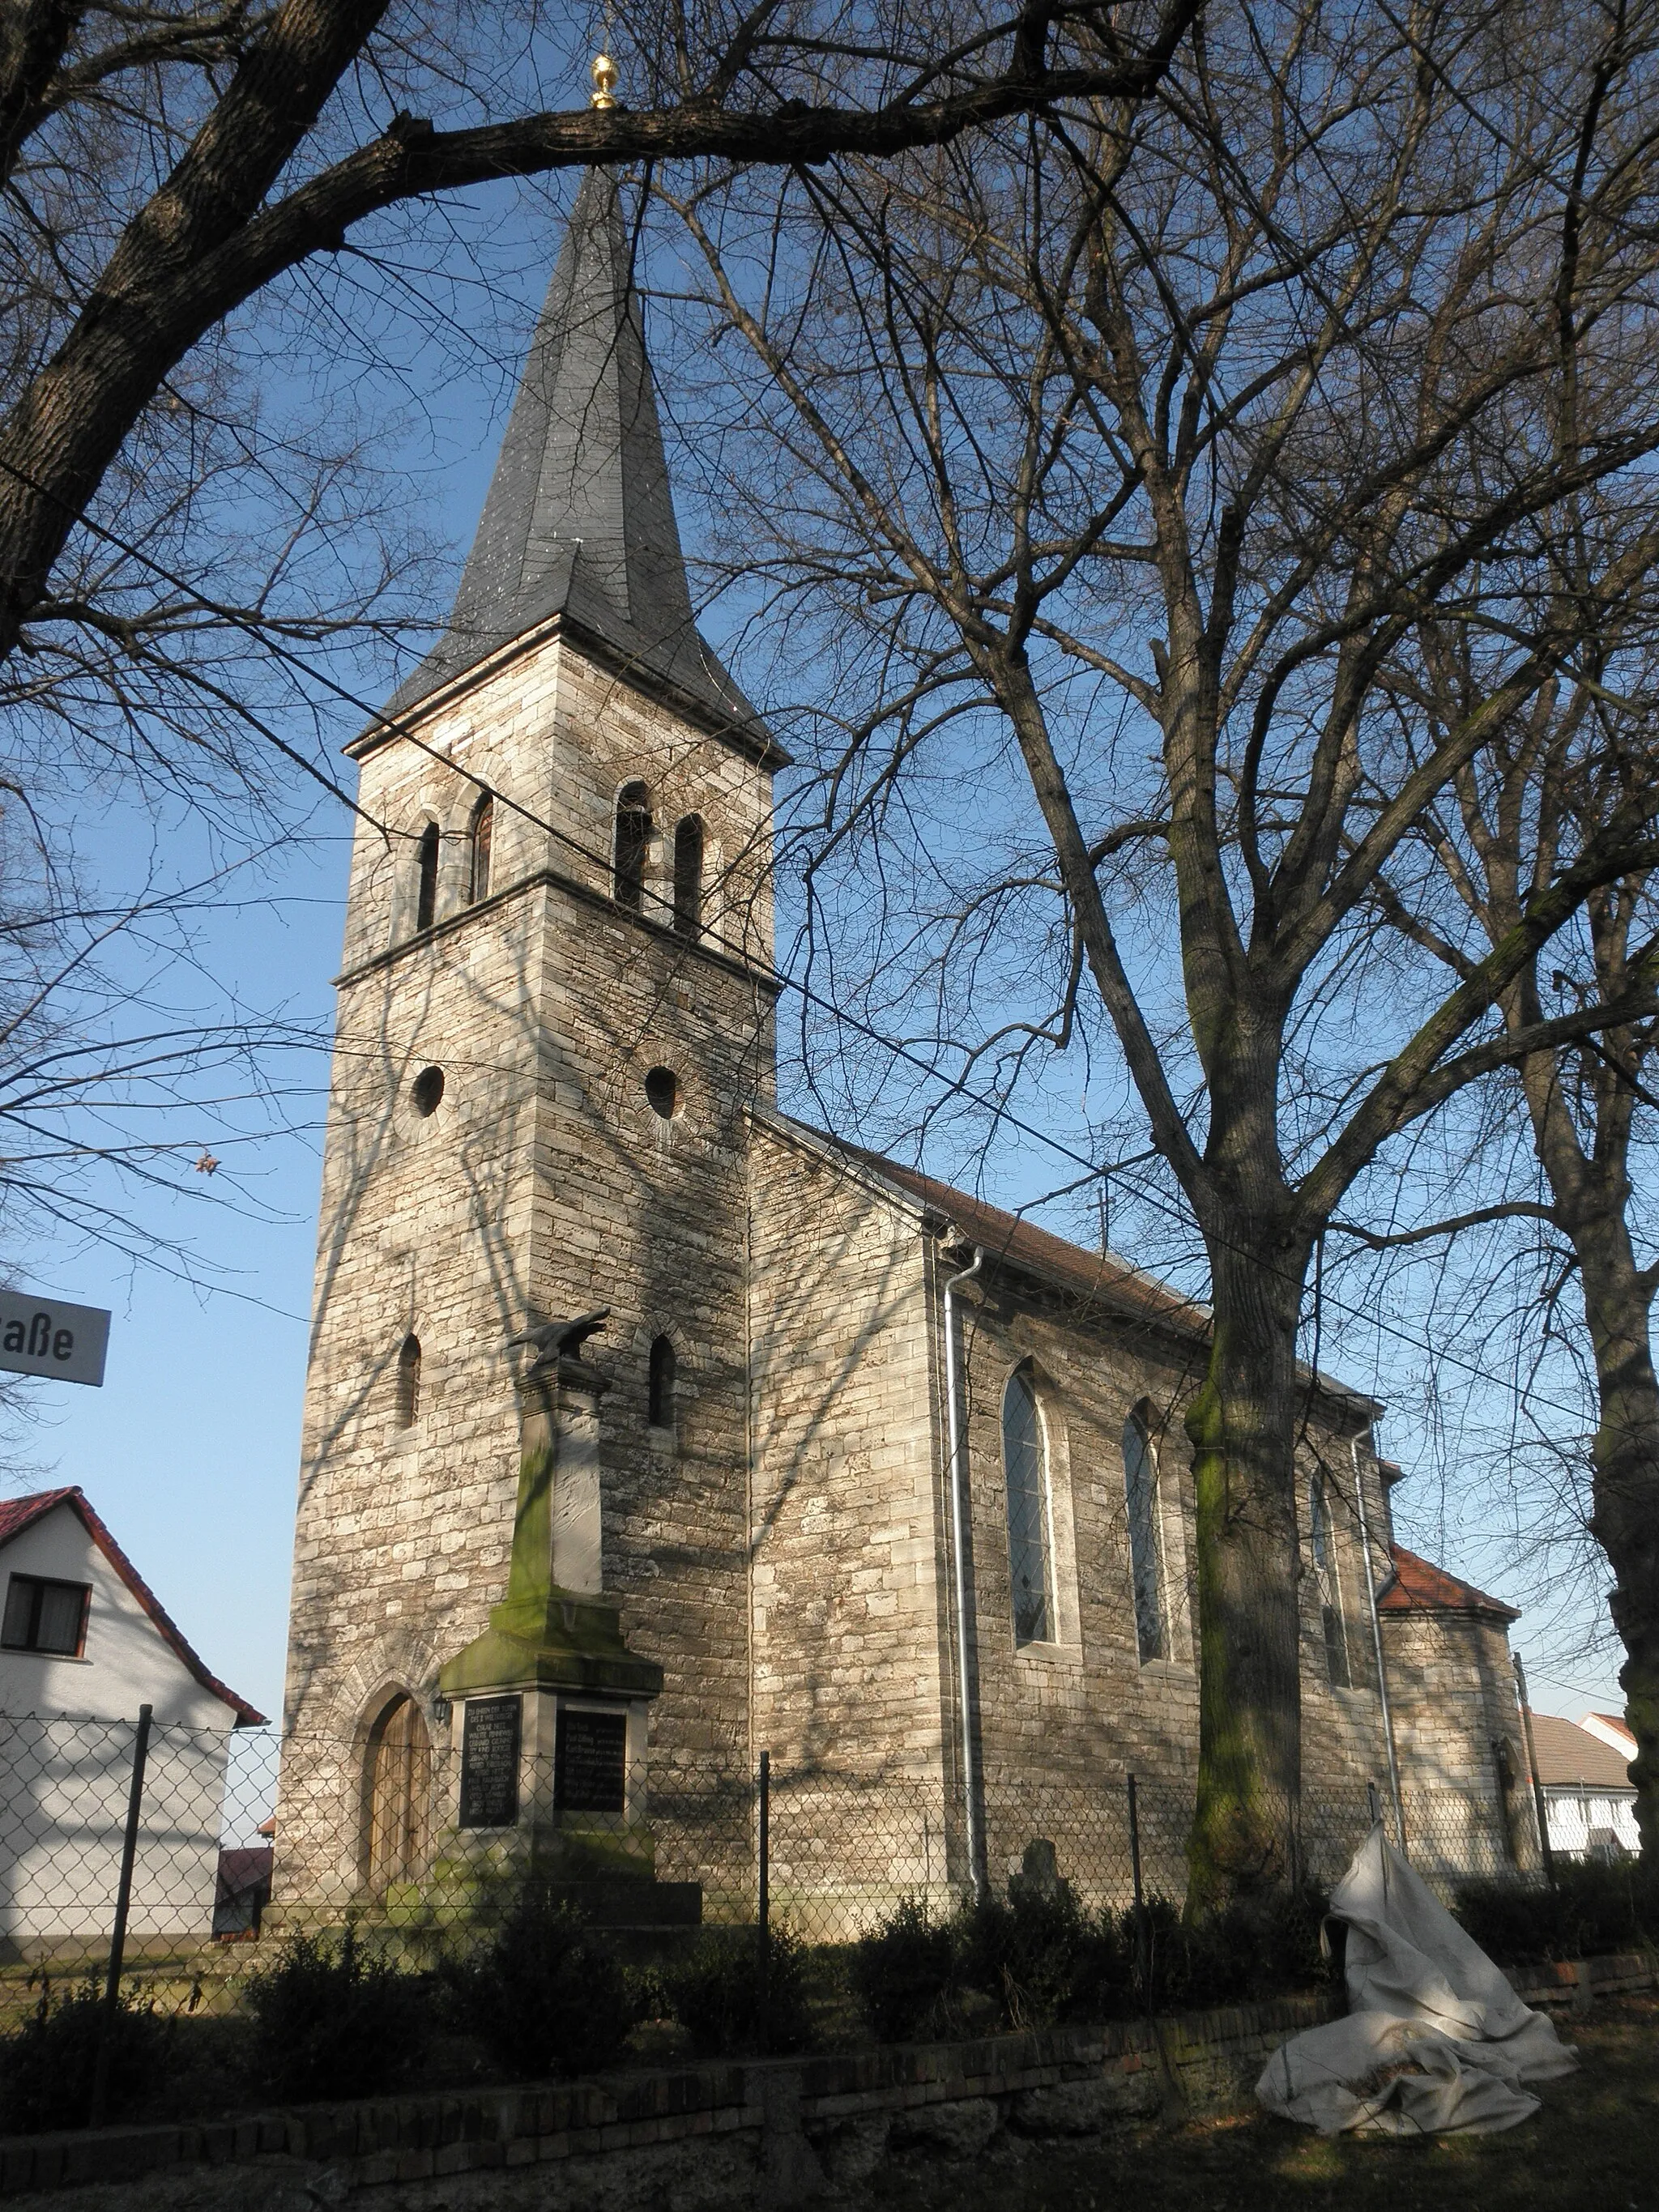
580,521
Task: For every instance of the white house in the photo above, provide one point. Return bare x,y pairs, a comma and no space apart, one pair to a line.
84,1642
1583,1770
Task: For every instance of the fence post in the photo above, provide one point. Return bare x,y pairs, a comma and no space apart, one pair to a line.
117,1941
1539,1806
762,1934
1141,1944
1373,1804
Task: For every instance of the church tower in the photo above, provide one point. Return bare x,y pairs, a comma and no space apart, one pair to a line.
523,1514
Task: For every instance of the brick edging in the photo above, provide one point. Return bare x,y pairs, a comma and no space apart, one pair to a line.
1579,1981
1205,2056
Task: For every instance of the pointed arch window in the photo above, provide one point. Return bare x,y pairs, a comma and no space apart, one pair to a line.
426,878
1328,1585
1145,1536
482,830
664,1366
409,1381
397,1790
1026,1465
633,844
687,876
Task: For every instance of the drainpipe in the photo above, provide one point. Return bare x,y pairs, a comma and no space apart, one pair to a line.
1376,1647
958,1521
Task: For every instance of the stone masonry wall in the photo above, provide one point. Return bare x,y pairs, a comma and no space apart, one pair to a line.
1062,1721
853,1673
770,2133
543,1183
1452,1687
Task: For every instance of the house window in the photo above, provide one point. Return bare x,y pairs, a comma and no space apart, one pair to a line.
45,1616
426,880
399,1793
1146,1545
409,1381
633,844
1024,1462
1328,1586
687,876
661,1396
483,829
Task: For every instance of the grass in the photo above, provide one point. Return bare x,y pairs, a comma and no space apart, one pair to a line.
1594,2148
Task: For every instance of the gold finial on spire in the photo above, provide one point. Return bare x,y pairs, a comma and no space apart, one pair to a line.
605,78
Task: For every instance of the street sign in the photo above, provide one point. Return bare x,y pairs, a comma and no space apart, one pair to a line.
47,1336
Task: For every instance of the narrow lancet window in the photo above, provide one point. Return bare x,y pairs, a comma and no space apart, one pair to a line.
661,1393
483,829
687,876
409,1381
1145,1546
1328,1586
633,844
426,885
1026,1465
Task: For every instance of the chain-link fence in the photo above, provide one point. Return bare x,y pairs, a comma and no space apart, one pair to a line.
182,1847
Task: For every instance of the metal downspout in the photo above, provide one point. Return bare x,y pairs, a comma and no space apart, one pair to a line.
958,1519
1376,1647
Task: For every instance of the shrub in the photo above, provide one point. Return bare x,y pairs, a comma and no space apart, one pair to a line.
903,1973
547,1996
1596,1904
1157,1946
715,1991
331,2020
46,2067
1259,1946
1040,1958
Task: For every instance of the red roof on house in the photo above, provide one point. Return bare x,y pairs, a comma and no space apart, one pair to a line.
17,1514
1570,1757
1418,1587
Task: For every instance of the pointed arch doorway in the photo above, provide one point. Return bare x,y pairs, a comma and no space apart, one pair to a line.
398,1795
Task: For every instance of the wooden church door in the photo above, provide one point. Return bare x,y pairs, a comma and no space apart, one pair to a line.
399,1794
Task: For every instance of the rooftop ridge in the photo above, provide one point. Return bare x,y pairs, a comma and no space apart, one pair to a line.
17,1514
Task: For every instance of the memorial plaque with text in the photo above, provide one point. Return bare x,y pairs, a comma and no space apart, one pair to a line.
490,1762
590,1771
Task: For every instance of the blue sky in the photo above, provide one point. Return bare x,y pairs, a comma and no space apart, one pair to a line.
190,1448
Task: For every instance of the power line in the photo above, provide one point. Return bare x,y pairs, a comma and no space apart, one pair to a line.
395,726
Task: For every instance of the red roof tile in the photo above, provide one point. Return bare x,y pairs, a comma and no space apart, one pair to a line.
1005,1235
1419,1587
17,1514
1099,1278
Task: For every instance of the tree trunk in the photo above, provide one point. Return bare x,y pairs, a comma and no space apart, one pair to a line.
1242,1423
1618,1306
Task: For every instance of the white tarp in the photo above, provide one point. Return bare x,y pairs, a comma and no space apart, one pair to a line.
1435,2039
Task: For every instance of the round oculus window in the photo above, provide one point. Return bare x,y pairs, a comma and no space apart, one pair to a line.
427,1090
662,1091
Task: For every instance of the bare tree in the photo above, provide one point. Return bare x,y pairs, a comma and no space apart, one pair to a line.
128,1074
198,567
1151,439
163,164
1577,758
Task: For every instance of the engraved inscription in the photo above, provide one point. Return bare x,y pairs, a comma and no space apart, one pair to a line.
590,1768
490,1762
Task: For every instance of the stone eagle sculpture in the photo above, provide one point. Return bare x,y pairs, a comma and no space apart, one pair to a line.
552,1339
